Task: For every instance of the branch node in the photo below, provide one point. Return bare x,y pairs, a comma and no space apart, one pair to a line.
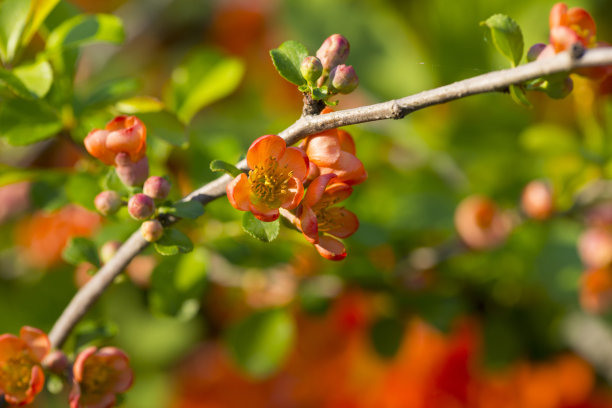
577,50
311,107
396,111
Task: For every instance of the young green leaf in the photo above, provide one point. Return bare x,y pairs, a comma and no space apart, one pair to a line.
220,165
13,84
187,209
13,17
37,76
261,343
23,122
173,242
85,29
518,96
507,37
263,231
79,250
39,10
287,60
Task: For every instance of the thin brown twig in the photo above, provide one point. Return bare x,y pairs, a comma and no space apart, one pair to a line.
306,125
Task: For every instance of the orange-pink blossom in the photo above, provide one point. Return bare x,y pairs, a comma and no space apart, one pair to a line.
124,134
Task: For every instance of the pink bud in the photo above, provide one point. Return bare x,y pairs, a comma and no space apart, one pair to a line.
311,69
535,51
334,51
157,187
141,207
56,362
151,230
131,174
343,79
107,202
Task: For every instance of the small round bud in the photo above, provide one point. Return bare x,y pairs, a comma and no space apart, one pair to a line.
141,206
151,230
343,79
108,250
595,247
56,362
107,202
131,174
537,200
334,51
156,187
311,69
480,224
535,51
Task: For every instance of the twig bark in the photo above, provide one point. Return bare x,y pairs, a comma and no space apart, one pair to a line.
306,125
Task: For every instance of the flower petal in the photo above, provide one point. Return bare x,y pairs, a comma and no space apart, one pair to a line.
580,18
558,15
79,363
330,248
37,382
120,362
346,223
295,159
37,341
317,188
238,191
562,38
347,143
323,149
264,148
263,213
309,225
348,169
296,192
10,345
336,192
95,143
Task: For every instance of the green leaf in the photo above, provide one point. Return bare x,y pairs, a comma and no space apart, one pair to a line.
48,193
13,17
12,83
287,60
203,78
187,209
506,36
79,250
82,188
220,165
166,126
85,29
139,104
109,92
518,96
261,343
263,231
37,76
176,287
320,93
39,10
386,335
173,242
23,122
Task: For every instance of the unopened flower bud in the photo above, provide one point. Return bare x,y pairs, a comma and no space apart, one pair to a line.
141,207
334,51
559,89
480,224
311,69
131,174
156,187
151,230
56,362
537,200
107,202
108,250
535,51
343,79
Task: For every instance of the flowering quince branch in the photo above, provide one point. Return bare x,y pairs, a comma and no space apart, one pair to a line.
494,81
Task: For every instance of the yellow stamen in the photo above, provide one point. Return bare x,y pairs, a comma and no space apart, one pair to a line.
270,183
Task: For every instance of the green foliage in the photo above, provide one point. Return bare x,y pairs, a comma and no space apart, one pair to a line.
386,335
184,209
85,29
261,343
79,250
173,242
263,231
24,122
12,83
13,18
225,167
36,76
287,59
506,36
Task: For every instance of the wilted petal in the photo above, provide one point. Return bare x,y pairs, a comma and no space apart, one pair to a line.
265,148
309,225
238,191
295,160
295,194
37,341
330,248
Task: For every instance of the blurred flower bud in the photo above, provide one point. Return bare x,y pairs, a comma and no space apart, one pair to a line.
151,230
596,290
480,224
108,250
131,174
334,51
311,69
141,206
343,79
537,200
107,202
558,89
56,362
156,187
595,247
535,51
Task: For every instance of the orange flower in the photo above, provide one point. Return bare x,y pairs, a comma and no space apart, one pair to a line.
21,376
480,224
98,376
274,181
316,215
125,134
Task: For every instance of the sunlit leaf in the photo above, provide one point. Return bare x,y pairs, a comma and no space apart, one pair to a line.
173,242
39,10
10,82
84,29
79,250
263,231
518,96
36,76
139,104
287,59
24,122
506,36
13,17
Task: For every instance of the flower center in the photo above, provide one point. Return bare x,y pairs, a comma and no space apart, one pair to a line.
98,378
270,183
15,373
329,218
